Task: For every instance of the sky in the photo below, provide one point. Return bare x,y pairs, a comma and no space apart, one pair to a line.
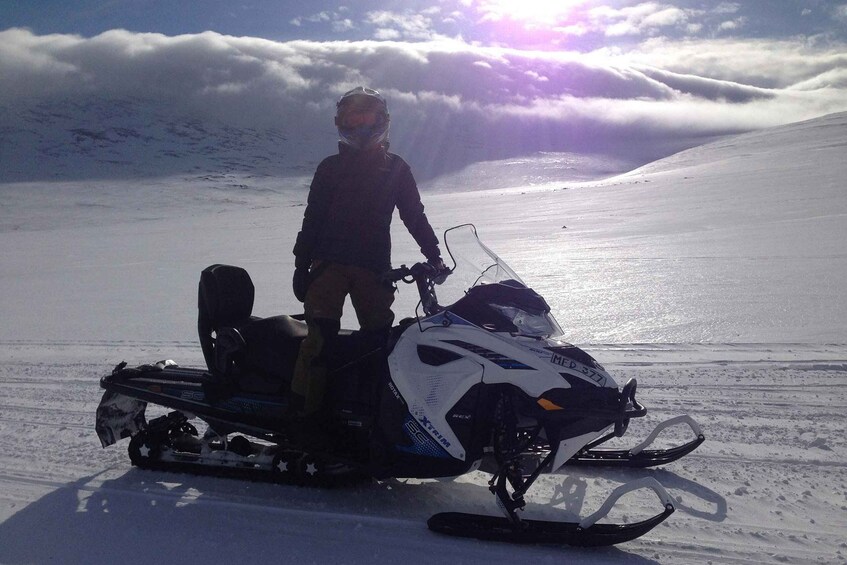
466,80
537,24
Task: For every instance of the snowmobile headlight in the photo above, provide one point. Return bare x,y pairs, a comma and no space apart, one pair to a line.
528,324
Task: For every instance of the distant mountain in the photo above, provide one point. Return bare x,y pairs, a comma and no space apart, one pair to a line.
135,138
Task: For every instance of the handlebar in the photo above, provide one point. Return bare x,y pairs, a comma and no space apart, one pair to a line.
411,274
426,276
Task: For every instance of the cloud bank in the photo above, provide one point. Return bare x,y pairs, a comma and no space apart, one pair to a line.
452,103
577,25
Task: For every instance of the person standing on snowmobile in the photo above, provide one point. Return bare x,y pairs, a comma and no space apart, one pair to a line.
344,244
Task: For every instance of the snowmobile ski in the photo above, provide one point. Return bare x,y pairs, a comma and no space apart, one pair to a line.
586,533
638,456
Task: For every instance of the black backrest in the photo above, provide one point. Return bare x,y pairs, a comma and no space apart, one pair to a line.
225,299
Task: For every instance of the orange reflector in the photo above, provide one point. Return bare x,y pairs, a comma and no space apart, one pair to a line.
547,405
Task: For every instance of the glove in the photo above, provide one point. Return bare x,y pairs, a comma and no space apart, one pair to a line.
441,270
301,283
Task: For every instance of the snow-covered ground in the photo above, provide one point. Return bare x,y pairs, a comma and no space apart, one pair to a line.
715,277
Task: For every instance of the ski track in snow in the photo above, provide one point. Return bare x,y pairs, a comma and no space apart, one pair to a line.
769,484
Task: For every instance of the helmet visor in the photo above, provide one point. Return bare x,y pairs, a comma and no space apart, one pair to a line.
357,117
362,120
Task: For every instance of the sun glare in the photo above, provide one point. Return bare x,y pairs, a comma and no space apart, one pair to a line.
531,11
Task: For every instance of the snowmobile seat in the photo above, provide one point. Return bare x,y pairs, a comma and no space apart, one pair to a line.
263,353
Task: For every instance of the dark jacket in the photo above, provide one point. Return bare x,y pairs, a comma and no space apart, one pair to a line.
348,215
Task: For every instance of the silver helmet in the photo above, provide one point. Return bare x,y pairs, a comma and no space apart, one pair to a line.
361,116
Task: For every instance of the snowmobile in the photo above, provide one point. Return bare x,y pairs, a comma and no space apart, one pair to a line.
484,383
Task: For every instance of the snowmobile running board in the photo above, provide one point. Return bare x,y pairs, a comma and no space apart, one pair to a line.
586,533
638,456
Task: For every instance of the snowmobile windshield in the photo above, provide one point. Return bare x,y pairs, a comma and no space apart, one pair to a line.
484,290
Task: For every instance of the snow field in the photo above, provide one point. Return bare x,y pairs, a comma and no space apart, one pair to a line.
714,277
769,484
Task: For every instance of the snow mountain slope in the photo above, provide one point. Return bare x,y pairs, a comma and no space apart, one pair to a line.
120,138
714,277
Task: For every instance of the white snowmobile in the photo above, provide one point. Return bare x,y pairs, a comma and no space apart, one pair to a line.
485,383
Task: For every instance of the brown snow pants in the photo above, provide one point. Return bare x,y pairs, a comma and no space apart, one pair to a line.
324,304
